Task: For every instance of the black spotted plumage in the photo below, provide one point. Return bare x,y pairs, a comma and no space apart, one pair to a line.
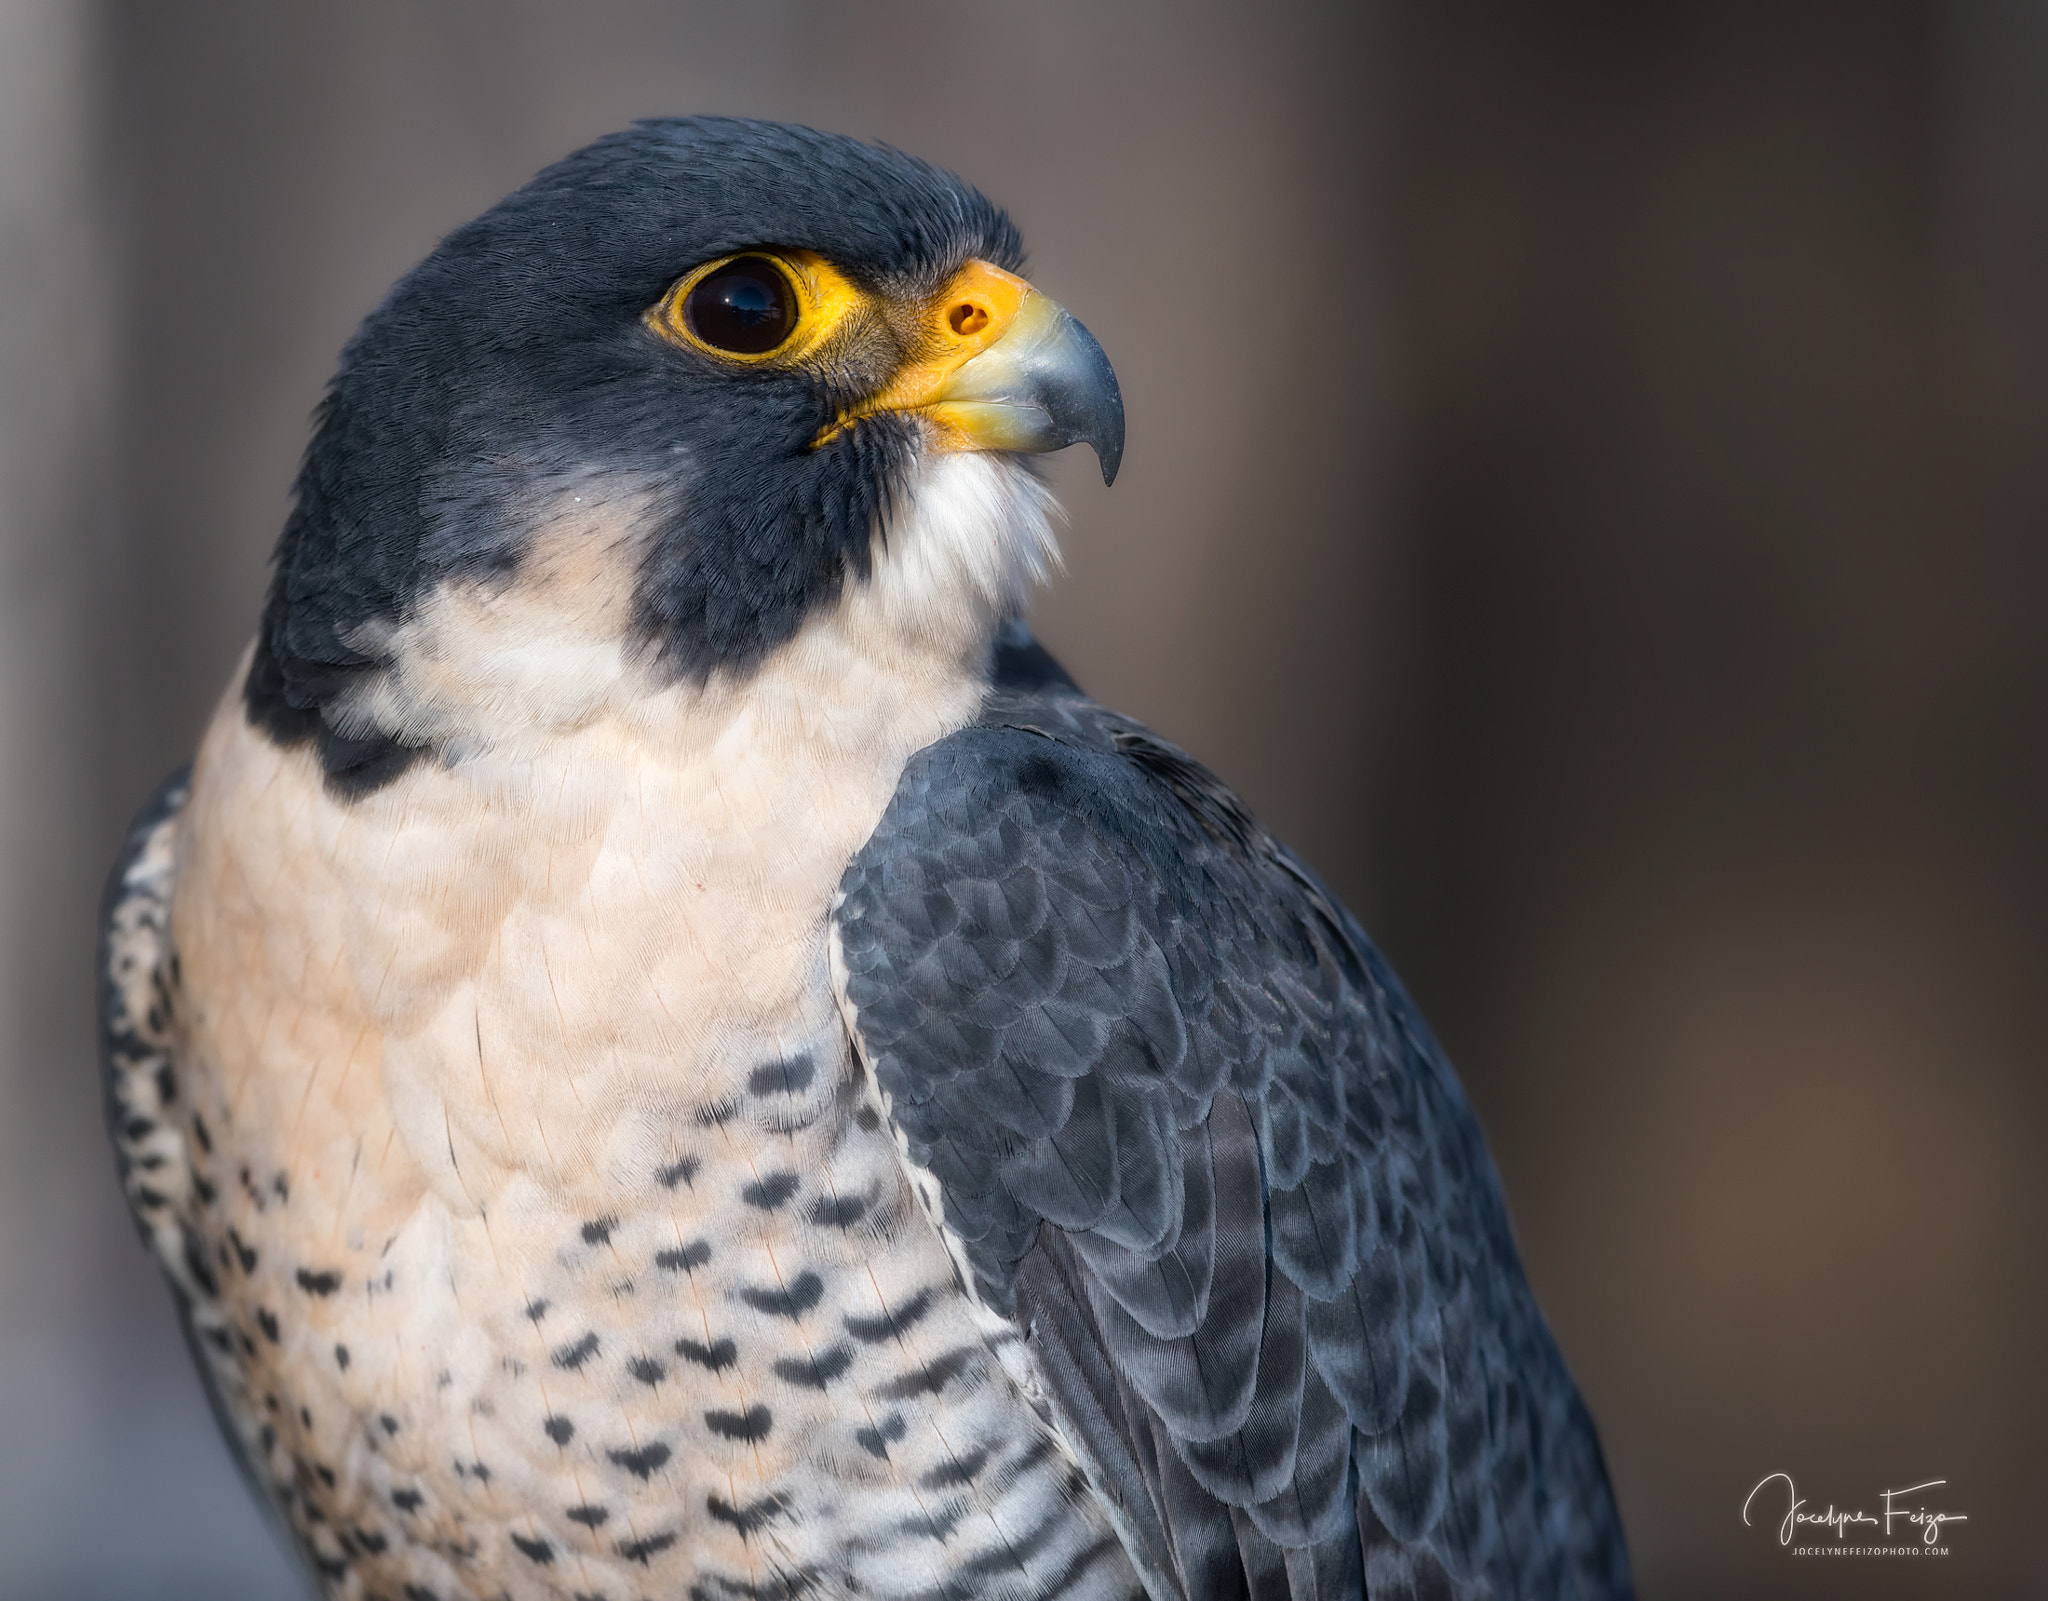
1200,1148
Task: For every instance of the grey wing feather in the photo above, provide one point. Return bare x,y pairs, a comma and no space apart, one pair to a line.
1196,1142
146,1111
138,1066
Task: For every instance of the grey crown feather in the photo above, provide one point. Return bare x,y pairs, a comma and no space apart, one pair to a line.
1199,1145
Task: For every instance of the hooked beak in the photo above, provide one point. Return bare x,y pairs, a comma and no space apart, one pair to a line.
1001,367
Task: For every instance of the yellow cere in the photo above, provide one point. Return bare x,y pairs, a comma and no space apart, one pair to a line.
975,309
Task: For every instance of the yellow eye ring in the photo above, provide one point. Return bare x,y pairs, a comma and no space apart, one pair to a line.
755,307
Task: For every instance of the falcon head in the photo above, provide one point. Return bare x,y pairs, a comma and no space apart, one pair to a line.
648,416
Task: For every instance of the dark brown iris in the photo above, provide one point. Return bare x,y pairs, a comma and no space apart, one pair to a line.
746,307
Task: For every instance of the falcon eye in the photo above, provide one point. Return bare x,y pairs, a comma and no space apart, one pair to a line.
746,307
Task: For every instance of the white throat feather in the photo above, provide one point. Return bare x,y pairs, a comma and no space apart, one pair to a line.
492,664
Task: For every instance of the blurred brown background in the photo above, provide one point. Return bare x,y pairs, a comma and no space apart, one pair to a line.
1586,485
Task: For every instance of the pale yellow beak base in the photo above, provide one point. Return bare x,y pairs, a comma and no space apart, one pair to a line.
1004,368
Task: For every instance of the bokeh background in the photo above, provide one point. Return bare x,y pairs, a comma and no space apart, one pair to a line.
1588,485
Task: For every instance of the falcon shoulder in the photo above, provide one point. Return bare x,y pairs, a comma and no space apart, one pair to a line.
153,1126
138,1064
1191,1139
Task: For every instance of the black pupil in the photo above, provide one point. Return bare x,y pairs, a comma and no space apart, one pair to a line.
745,307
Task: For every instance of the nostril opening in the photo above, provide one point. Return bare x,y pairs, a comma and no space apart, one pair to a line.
967,318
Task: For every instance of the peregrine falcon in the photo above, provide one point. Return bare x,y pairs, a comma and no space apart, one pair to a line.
667,1050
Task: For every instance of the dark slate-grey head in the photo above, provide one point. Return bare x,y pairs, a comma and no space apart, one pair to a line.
752,330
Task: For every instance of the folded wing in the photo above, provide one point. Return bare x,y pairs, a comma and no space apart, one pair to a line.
1193,1138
